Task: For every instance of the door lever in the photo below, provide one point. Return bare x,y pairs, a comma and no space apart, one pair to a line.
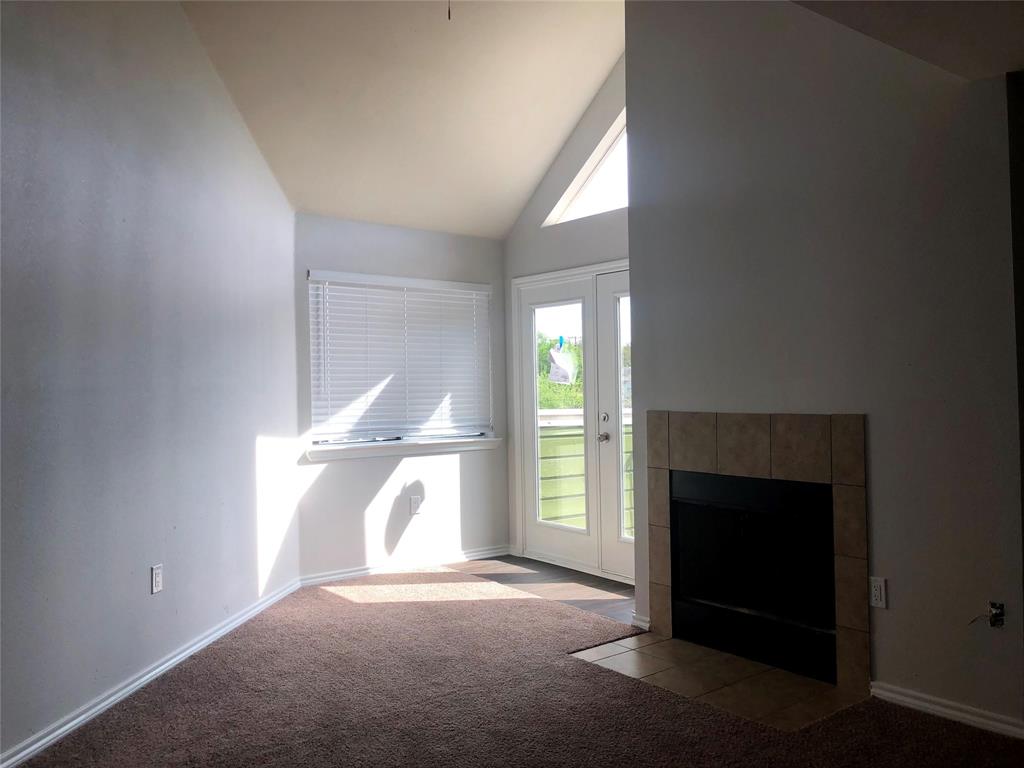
604,437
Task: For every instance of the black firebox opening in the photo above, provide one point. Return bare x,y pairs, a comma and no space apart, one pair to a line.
752,569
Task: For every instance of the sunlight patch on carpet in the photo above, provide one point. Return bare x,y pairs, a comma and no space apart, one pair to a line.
422,585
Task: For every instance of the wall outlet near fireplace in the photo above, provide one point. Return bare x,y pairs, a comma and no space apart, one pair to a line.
879,598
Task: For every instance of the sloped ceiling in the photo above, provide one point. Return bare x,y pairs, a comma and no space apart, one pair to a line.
974,39
388,112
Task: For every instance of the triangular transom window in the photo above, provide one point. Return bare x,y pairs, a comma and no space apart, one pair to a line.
602,183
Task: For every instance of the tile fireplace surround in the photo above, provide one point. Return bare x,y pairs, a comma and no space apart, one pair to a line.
806,447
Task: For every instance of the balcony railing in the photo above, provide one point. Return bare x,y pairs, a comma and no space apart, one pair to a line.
562,472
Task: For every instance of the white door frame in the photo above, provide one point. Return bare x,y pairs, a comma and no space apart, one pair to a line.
516,454
617,553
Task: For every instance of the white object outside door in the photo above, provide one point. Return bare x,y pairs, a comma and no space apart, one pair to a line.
575,459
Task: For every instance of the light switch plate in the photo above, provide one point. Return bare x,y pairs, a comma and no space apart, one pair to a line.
156,578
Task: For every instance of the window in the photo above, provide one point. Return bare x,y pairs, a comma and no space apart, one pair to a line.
394,359
602,183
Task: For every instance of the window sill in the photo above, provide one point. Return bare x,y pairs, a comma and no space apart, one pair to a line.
322,453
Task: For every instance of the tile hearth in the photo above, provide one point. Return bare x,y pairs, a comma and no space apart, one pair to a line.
825,449
739,686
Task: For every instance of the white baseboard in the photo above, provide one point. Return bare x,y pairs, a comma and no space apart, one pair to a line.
480,553
62,727
951,710
644,622
344,573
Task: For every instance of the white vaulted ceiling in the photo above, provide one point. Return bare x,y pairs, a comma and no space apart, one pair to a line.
389,112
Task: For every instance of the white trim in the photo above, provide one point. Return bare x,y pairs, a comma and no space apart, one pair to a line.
644,622
65,725
339,575
601,151
516,427
514,394
318,454
573,273
480,553
951,710
388,281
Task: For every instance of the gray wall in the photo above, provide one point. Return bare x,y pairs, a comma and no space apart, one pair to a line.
356,511
531,249
820,223
148,343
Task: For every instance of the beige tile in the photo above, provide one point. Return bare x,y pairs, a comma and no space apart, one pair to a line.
661,609
599,652
852,593
800,447
786,685
765,693
634,664
657,439
658,497
661,555
744,444
639,641
853,660
739,702
685,680
731,669
692,442
678,651
848,449
705,674
849,520
817,707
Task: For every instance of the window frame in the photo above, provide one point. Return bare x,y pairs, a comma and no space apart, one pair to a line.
604,147
406,444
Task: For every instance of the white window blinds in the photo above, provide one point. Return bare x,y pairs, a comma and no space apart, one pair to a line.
393,359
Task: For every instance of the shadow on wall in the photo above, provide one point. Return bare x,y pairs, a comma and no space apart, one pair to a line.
356,513
402,512
283,476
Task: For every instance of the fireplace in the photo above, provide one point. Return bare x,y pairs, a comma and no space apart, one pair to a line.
757,528
752,569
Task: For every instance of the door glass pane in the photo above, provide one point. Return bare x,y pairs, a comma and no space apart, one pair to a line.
561,471
626,406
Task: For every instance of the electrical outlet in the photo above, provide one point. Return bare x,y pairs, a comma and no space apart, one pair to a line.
156,578
414,504
879,598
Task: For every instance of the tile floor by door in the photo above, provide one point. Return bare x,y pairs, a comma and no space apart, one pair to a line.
609,598
740,686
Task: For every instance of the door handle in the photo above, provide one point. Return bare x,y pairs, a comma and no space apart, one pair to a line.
604,437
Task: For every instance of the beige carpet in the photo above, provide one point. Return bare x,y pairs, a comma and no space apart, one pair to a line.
441,668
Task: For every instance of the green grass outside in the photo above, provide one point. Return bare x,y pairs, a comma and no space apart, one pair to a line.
562,480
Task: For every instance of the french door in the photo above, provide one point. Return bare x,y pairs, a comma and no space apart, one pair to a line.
576,422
